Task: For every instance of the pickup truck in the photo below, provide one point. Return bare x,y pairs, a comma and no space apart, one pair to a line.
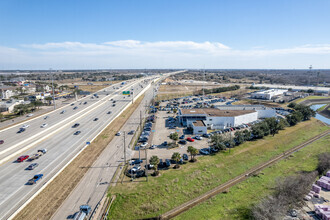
84,211
35,179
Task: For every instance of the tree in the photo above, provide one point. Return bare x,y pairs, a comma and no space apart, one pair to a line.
21,109
193,152
257,131
239,137
218,142
247,135
174,136
177,157
154,160
294,118
37,103
323,163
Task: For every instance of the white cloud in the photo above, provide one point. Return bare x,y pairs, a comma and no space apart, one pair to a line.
159,54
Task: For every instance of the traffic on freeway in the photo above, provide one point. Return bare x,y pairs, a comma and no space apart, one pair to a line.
58,139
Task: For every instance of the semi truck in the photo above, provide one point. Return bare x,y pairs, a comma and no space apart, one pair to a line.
83,212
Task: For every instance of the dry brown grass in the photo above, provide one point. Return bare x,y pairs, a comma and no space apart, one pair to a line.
44,205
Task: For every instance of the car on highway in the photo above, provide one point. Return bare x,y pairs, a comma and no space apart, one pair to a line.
46,117
62,112
25,126
32,166
75,108
35,179
21,130
22,158
95,119
85,103
131,132
113,105
190,139
2,141
114,101
43,150
35,156
109,112
72,104
75,125
44,125
77,132
118,133
29,115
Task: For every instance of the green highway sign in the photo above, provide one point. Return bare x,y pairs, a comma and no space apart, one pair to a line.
126,93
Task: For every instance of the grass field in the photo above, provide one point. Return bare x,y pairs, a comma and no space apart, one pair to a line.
45,204
174,187
310,97
237,203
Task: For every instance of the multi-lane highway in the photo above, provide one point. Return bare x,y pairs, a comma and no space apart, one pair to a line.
59,140
94,184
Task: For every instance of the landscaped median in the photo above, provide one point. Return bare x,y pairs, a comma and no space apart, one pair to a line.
174,187
45,204
237,203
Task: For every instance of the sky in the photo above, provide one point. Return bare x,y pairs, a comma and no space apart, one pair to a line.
129,34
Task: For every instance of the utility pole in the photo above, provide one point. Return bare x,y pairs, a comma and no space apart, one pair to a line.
53,88
146,163
124,147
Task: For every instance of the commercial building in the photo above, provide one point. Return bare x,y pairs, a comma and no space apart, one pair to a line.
268,94
263,112
214,118
6,92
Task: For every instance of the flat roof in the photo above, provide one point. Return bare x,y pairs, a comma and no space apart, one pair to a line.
215,112
199,123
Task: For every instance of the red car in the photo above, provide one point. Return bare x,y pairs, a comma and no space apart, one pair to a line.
190,139
22,158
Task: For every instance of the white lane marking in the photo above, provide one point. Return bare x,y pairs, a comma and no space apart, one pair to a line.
100,103
49,181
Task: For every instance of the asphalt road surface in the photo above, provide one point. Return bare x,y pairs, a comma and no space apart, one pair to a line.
59,140
94,184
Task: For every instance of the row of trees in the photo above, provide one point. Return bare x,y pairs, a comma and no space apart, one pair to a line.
176,156
22,109
270,126
221,89
301,113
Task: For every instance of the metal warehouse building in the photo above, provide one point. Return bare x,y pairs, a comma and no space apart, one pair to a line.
214,118
268,94
263,112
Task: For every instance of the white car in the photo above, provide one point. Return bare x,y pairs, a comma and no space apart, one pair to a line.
198,138
118,134
44,125
25,126
136,168
29,115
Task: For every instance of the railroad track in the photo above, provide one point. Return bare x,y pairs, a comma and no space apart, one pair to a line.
185,206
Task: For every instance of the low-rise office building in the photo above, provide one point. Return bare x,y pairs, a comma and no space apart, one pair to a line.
214,118
263,112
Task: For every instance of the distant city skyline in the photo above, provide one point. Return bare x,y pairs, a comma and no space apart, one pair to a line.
274,34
